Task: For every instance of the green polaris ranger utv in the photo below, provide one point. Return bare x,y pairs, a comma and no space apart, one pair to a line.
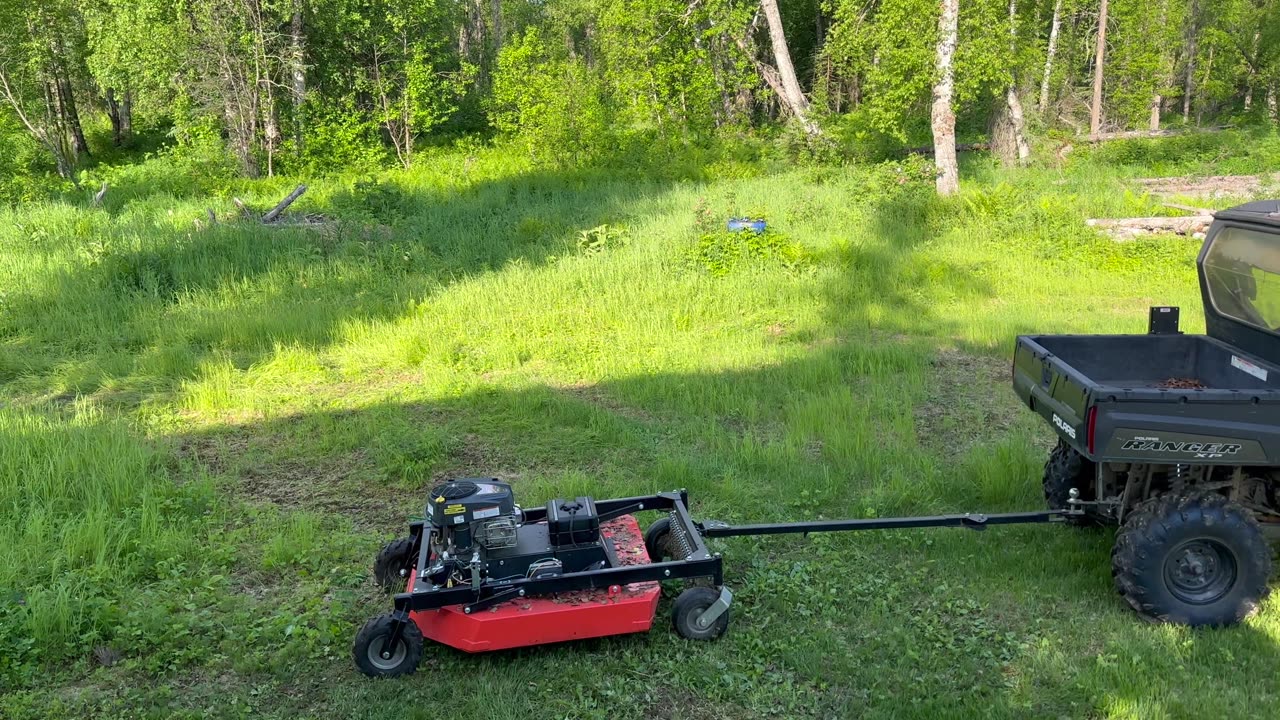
1176,438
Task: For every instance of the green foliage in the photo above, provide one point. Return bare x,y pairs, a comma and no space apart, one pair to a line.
601,237
554,106
723,252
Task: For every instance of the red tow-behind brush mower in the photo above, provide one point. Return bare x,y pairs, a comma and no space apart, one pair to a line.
480,573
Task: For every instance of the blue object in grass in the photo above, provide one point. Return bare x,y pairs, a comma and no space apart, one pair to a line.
755,226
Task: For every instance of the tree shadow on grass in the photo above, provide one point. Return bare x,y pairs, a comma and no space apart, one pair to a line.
1005,623
140,301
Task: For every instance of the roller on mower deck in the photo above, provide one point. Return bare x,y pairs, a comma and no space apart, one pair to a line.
481,573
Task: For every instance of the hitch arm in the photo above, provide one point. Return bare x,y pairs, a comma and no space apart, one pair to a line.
973,521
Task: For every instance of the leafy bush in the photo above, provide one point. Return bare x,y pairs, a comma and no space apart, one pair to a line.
372,199
555,107
723,252
600,237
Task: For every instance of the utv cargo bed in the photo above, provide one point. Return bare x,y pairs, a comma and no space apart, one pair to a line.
1168,364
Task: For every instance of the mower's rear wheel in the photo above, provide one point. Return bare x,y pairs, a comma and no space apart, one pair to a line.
689,608
394,563
657,541
1067,469
1196,559
403,657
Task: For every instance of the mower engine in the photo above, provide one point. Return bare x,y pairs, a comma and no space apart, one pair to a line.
478,535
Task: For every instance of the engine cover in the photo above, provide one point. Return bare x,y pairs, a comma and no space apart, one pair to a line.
460,503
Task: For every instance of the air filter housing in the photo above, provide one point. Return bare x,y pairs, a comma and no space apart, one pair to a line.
463,502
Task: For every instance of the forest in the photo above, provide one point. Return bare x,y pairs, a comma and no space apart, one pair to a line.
266,87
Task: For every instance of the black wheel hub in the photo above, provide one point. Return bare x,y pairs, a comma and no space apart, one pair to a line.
1200,571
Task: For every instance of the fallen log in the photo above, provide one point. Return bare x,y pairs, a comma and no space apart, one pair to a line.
1188,208
962,147
284,204
1137,134
1129,228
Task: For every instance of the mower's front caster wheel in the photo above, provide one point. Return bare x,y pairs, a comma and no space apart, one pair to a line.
1196,559
375,660
689,608
394,563
1067,469
657,541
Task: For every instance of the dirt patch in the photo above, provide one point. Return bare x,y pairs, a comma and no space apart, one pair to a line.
1215,186
594,394
967,399
676,703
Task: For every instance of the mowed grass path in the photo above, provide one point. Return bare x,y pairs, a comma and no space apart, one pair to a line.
207,432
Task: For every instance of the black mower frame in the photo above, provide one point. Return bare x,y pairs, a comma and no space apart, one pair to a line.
699,563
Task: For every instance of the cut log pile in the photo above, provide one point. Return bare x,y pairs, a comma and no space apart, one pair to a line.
1196,223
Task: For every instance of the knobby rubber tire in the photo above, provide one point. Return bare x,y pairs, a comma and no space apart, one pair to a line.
405,657
395,556
1158,528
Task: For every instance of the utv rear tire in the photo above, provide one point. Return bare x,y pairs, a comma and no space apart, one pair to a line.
1067,469
393,564
1195,559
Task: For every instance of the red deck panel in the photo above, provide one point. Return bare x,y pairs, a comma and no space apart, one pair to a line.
565,616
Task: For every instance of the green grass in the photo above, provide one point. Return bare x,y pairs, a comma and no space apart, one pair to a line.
209,430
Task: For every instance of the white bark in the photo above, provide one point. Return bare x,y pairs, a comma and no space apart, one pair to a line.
1099,62
791,93
1189,81
944,119
298,71
1019,124
1011,95
1253,71
1272,110
1157,97
1049,55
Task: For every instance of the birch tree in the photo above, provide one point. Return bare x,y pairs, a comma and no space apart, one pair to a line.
789,85
1050,52
943,114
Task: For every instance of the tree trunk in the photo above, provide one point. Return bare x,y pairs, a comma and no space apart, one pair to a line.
1273,108
71,116
1189,80
1208,72
126,116
56,135
1049,55
298,72
113,112
1019,124
944,119
791,94
1011,94
495,21
1166,73
1099,62
1253,71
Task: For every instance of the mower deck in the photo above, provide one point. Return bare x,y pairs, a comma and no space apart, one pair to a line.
572,615
481,610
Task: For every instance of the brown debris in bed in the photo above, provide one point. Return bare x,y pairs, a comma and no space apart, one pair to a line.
1181,384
